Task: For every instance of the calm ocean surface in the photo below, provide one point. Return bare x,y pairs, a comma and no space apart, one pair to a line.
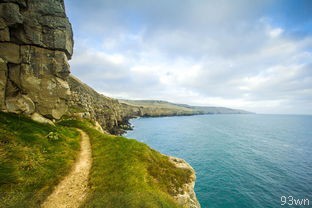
240,160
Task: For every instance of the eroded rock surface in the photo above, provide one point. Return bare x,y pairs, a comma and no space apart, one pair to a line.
86,103
35,45
36,42
187,197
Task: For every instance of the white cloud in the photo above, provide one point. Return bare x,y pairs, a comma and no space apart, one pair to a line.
275,32
224,54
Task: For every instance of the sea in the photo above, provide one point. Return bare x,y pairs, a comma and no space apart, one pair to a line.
247,160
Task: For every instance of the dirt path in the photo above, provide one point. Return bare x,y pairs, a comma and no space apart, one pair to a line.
72,190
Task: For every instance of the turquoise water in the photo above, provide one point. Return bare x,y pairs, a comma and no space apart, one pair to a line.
240,160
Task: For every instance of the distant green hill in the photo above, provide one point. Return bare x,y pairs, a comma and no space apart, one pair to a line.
164,108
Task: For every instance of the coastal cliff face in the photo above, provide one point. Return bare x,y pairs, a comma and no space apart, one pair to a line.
84,102
35,43
186,196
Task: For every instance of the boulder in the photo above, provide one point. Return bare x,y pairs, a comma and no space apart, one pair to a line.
40,119
20,104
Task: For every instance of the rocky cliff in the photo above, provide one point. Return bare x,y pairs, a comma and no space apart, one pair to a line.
86,103
186,196
36,42
155,108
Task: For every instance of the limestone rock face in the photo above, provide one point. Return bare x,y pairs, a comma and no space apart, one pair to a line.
87,103
39,118
36,42
187,198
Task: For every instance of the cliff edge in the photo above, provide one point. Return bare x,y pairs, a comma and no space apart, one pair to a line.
106,112
186,196
36,42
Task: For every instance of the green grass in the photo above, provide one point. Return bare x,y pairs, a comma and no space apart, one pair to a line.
31,164
127,173
156,108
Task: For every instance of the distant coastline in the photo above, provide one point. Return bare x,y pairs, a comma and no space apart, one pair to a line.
155,108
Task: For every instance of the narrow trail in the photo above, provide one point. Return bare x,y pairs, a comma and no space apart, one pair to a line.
72,190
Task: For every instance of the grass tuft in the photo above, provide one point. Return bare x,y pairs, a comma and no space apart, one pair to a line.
30,163
128,173
125,173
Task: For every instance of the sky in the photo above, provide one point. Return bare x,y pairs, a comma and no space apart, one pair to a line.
252,55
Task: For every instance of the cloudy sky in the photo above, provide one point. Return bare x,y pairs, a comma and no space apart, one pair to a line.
254,55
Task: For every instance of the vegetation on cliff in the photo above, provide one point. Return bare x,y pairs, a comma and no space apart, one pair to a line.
154,108
33,159
113,115
86,103
128,173
36,42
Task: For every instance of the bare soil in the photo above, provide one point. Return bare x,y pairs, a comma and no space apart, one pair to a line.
73,189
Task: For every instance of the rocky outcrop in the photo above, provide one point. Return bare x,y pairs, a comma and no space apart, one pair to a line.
36,42
157,108
186,196
87,103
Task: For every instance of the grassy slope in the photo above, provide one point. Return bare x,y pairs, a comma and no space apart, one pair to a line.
155,104
160,108
127,173
167,108
30,163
